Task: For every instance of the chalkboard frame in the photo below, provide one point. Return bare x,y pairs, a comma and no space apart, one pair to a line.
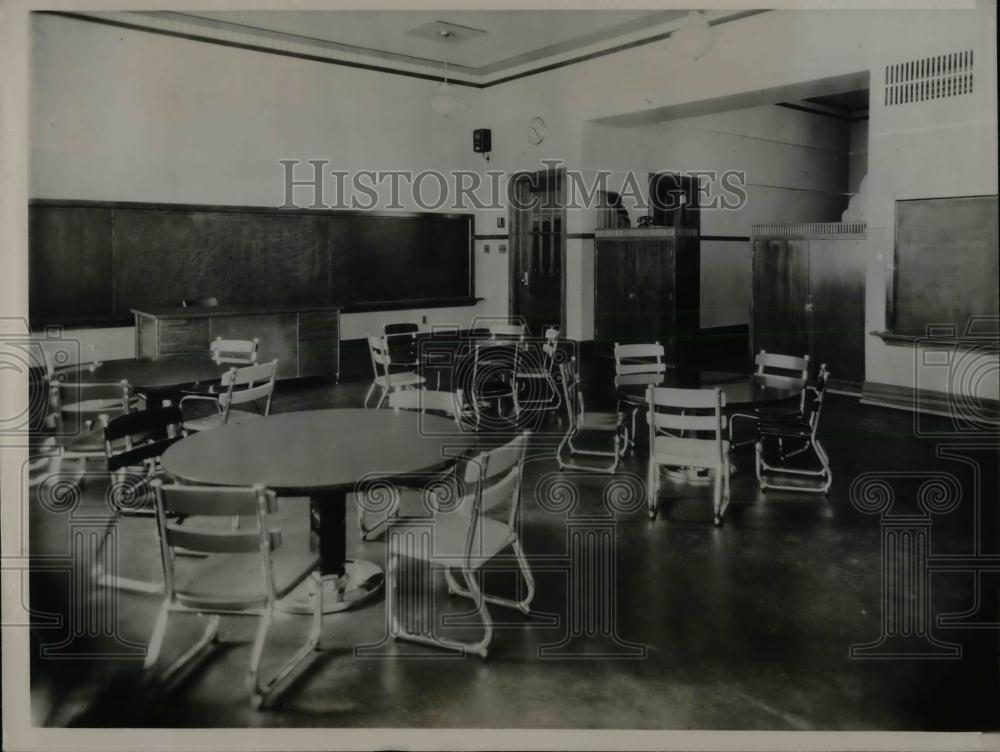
124,317
893,334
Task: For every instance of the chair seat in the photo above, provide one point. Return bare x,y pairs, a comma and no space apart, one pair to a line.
791,427
600,421
236,581
678,452
87,442
449,539
213,421
403,378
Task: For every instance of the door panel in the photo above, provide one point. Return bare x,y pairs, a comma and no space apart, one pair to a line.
780,296
837,273
537,261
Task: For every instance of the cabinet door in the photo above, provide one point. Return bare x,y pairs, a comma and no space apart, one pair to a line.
837,277
612,288
781,296
653,272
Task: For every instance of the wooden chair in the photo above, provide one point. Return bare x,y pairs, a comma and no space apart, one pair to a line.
772,366
244,573
580,421
465,539
133,444
632,360
238,386
241,352
803,428
209,302
536,371
448,404
688,411
384,377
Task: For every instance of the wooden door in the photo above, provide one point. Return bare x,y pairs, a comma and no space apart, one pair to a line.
837,283
613,319
653,292
780,317
538,248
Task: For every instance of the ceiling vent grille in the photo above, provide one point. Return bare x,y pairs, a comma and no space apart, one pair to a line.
935,77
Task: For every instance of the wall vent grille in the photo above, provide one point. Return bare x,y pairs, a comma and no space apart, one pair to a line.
808,230
936,77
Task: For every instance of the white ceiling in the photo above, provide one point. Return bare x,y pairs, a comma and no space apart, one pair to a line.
512,38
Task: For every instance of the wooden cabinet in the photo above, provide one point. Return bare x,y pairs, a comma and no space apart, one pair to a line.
646,289
809,295
305,342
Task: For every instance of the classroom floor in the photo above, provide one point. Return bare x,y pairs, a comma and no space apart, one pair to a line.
748,626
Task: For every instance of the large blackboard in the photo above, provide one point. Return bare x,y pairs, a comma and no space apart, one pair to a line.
91,263
946,264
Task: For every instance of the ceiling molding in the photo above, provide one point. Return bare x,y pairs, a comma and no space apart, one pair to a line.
238,36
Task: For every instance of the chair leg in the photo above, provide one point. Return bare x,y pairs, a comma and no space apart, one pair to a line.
179,668
523,605
262,692
156,641
399,632
381,399
717,495
390,514
652,488
368,394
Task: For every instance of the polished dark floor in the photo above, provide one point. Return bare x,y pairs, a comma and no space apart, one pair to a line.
748,626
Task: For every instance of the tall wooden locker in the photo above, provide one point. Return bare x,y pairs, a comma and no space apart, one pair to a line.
646,289
809,295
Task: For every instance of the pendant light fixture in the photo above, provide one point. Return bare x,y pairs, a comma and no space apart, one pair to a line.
444,100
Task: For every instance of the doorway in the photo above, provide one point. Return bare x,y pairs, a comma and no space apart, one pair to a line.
537,262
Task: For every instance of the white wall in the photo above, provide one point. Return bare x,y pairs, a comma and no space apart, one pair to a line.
915,151
795,165
120,115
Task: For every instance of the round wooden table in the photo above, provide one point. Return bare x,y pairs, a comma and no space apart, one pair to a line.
159,380
740,390
322,454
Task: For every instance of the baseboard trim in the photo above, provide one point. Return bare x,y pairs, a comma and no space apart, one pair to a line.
927,401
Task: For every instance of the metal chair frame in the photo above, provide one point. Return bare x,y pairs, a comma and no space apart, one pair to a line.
494,476
387,381
544,372
450,404
573,397
263,541
637,359
255,383
825,474
710,454
776,365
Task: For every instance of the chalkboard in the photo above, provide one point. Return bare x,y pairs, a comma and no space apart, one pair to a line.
946,264
92,262
375,261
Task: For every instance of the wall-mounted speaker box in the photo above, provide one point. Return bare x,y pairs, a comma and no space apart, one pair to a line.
482,141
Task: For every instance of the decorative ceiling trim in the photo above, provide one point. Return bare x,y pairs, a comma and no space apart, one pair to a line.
227,34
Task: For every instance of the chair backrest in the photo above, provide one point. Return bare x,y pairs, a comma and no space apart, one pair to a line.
248,384
196,535
400,328
813,404
494,477
692,411
642,358
378,348
86,397
237,351
551,344
572,392
776,364
451,404
507,330
133,438
208,302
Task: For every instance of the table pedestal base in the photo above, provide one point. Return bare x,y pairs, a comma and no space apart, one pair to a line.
361,581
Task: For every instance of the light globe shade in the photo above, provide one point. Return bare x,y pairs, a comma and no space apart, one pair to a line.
445,101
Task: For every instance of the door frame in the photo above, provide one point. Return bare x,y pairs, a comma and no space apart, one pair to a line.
514,249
